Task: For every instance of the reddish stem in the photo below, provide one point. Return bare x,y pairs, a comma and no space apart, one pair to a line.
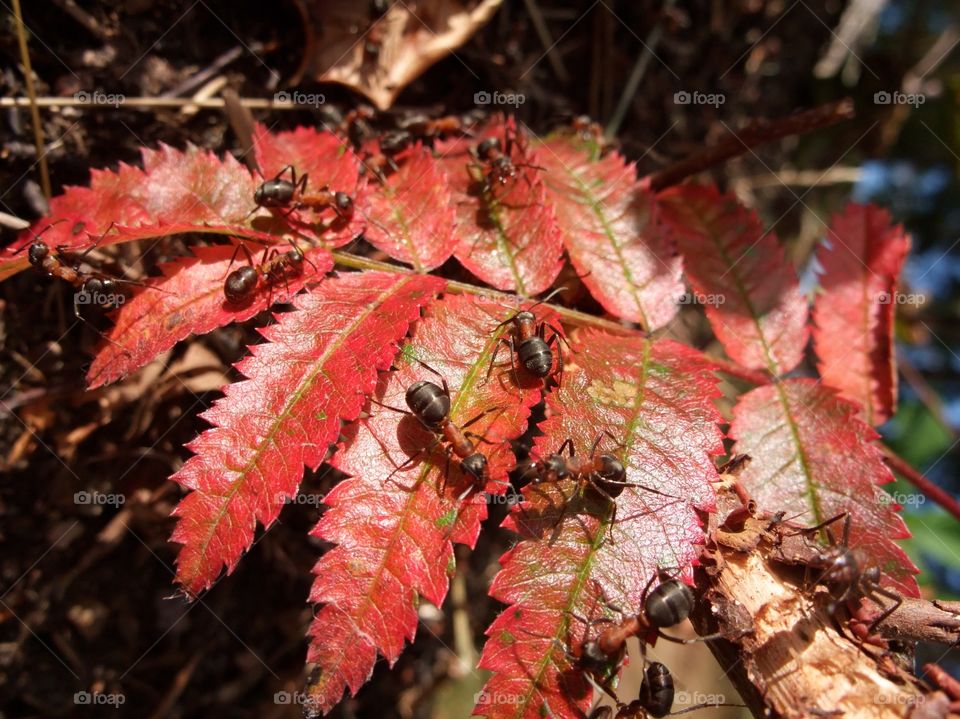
937,494
757,132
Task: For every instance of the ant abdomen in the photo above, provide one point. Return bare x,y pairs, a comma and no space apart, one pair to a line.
657,690
669,603
274,193
536,356
240,284
429,403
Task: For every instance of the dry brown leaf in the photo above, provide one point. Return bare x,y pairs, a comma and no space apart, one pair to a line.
380,58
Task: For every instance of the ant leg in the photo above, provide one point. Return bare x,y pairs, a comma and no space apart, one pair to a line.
897,601
395,409
97,241
568,442
606,495
500,341
818,527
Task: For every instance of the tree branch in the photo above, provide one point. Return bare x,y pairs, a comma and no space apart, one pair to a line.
931,490
783,650
757,132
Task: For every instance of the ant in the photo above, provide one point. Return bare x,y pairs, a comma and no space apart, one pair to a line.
604,473
428,128
528,341
841,573
391,144
668,604
496,163
657,691
241,284
94,287
292,194
430,404
356,124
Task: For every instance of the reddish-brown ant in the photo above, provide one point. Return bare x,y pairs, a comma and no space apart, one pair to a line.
429,128
528,342
292,194
94,287
840,572
356,124
668,604
241,284
496,163
430,405
604,473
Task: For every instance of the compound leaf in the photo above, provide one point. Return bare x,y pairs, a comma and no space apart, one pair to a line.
313,372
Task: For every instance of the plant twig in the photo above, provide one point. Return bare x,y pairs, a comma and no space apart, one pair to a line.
757,132
931,490
573,317
32,101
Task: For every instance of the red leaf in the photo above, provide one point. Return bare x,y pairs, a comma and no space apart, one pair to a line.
812,457
610,228
188,300
513,241
752,296
411,215
177,192
656,398
853,314
394,535
313,372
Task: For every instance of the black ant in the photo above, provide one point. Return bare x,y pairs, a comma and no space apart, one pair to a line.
528,341
841,573
430,404
657,691
292,194
241,284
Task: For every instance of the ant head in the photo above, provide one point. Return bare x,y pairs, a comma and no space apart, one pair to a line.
294,257
38,252
669,603
343,201
488,147
525,316
240,284
476,466
274,193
